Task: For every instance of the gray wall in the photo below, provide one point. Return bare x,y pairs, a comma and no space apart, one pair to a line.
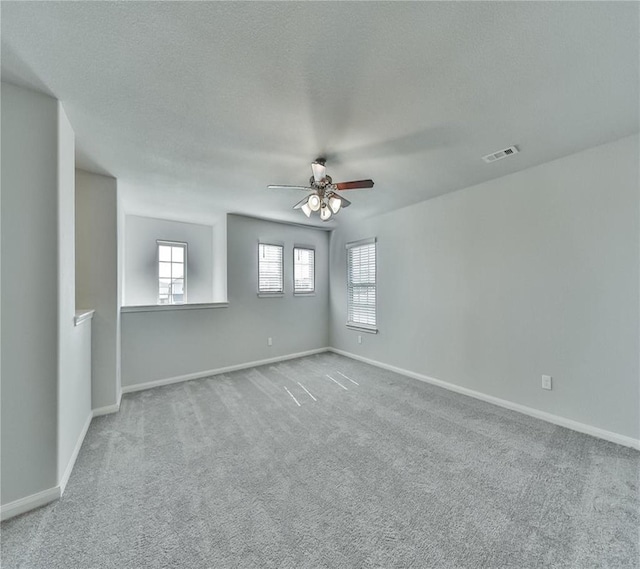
46,384
220,260
29,292
141,258
161,345
97,278
492,286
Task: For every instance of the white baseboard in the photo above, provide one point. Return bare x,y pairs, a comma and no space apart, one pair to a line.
218,371
107,409
38,499
543,415
74,454
27,503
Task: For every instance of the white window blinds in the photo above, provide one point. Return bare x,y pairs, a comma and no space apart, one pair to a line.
270,273
361,284
303,270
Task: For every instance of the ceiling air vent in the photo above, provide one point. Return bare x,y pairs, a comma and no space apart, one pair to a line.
500,154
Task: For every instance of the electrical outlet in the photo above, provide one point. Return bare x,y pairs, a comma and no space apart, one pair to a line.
359,339
269,342
546,382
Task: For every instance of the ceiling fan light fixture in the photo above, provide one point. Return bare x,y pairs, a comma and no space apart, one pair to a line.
323,198
325,212
319,170
314,202
335,203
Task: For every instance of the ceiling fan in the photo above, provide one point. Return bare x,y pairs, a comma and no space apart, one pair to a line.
324,197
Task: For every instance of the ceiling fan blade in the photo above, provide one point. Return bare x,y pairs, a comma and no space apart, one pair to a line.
345,202
301,202
355,185
307,188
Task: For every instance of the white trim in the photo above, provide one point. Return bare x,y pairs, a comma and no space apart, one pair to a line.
218,371
34,501
542,415
82,316
366,241
361,328
74,454
107,409
164,307
28,503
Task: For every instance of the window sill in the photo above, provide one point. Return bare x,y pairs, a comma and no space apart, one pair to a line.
270,294
82,316
171,307
362,328
304,294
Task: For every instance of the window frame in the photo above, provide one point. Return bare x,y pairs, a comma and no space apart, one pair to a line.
185,247
311,292
363,327
269,293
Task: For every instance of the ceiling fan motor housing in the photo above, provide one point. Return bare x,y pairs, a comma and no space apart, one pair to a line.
326,181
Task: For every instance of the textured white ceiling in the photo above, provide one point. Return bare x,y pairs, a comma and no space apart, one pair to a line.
196,106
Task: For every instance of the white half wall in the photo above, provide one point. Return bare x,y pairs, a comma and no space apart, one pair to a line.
74,342
97,276
175,343
120,291
29,314
492,286
141,258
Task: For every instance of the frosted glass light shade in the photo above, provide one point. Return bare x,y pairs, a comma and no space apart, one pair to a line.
314,202
325,212
319,171
335,203
306,209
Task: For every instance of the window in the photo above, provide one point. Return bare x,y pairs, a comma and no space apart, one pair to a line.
361,284
304,281
270,277
172,272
